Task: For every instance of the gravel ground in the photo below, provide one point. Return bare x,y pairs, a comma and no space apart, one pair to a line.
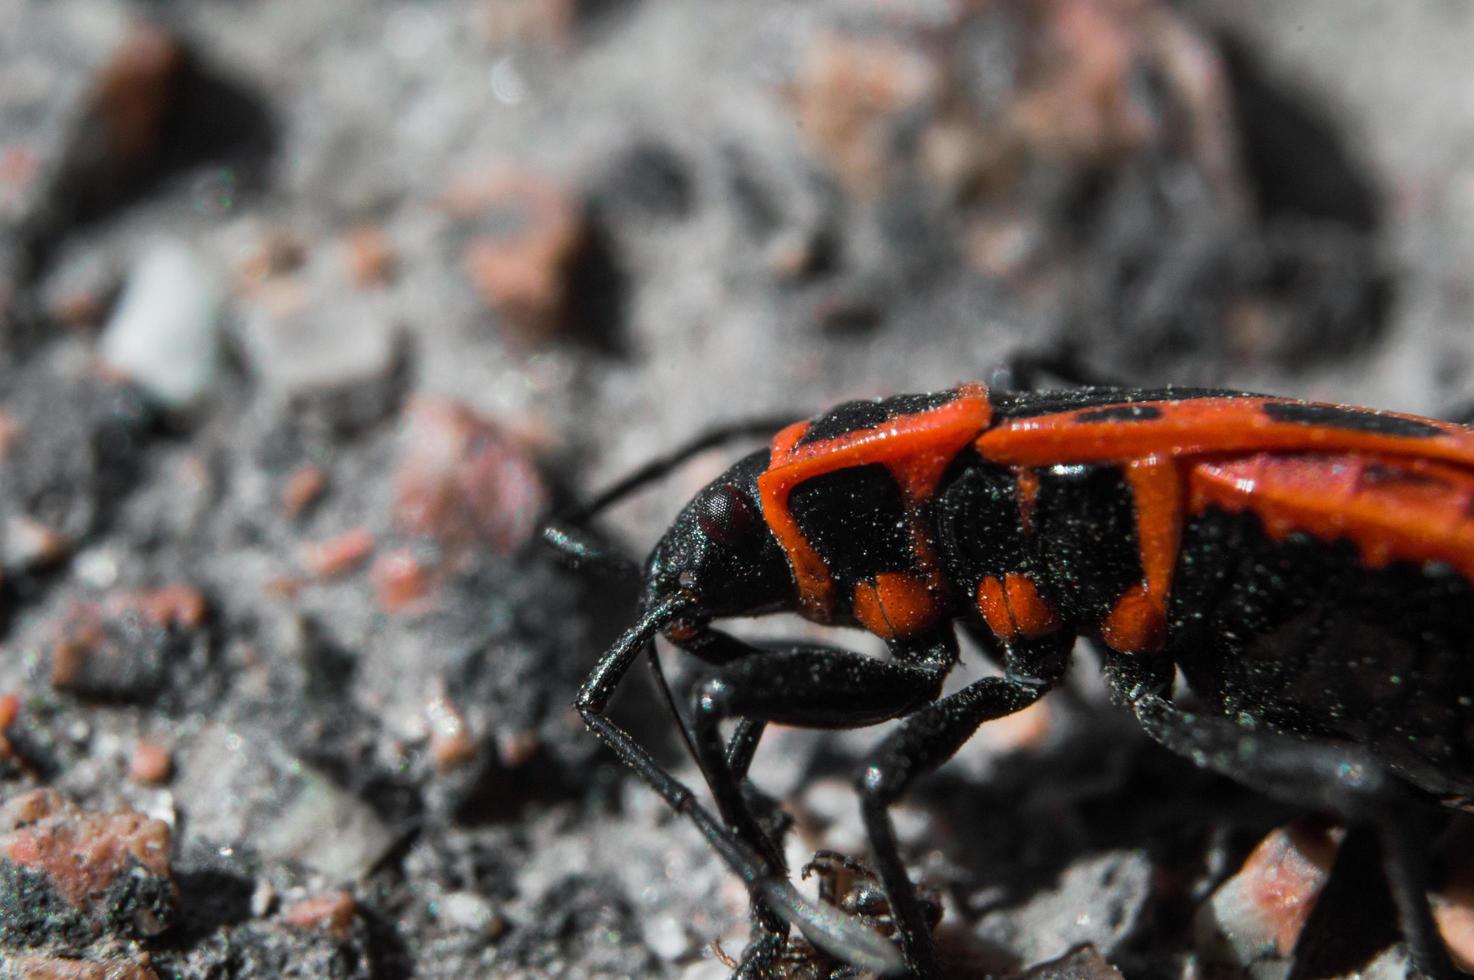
309,313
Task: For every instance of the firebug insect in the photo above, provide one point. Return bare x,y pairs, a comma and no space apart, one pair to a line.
1307,568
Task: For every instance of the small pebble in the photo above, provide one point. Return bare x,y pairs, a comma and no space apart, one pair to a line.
165,332
465,481
29,544
312,342
340,555
181,606
82,854
68,968
517,748
332,912
151,764
849,100
1259,912
451,743
304,487
134,90
263,898
471,912
666,936
276,254
528,235
369,255
10,432
9,711
400,581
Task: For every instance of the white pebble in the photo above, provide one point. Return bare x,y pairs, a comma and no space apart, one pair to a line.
666,937
165,331
469,911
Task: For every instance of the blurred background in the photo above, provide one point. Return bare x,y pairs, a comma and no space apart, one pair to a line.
309,312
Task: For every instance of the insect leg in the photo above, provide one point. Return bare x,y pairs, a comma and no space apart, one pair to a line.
808,686
1352,916
1318,774
776,903
743,744
1462,413
1025,370
812,687
591,703
924,741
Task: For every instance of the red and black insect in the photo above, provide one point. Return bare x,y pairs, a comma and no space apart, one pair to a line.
1308,568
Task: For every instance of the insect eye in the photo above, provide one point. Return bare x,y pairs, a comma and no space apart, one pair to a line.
725,516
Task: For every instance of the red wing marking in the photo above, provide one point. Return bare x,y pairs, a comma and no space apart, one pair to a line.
1138,623
1202,426
1391,509
916,449
1397,485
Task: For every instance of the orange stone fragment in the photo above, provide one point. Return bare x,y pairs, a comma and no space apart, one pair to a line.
332,912
400,581
304,487
151,763
81,852
339,555
369,255
451,741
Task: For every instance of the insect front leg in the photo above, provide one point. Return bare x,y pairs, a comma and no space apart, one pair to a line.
743,745
806,686
1314,773
717,648
592,702
776,903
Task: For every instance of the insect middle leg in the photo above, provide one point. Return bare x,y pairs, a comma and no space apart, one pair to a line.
926,740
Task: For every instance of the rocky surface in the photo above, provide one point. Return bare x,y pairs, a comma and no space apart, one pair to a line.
309,313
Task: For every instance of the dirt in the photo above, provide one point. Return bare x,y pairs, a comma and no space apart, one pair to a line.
310,314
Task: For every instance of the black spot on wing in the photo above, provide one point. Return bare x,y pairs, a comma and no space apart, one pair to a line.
1029,404
1352,419
854,416
1121,413
1381,474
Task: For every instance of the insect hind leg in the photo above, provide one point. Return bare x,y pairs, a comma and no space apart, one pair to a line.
1462,413
1028,370
1315,773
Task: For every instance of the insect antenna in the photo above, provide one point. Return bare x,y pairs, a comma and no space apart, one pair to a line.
662,465
580,548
